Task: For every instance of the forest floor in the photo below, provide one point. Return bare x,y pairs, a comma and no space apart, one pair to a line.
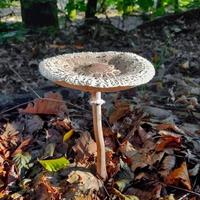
151,133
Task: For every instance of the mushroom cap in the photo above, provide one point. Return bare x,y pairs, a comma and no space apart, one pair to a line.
98,71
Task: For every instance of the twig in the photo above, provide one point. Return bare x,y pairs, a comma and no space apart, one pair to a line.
184,196
19,76
184,190
14,107
105,189
37,95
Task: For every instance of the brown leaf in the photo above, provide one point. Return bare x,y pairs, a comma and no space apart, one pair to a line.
85,148
9,140
169,127
138,158
84,181
52,103
62,125
107,132
45,190
179,175
12,175
34,123
168,139
24,144
121,109
112,163
167,165
152,192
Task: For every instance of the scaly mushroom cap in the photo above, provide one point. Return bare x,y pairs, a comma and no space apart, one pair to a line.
100,71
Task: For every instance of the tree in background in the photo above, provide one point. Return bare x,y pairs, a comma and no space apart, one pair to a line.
91,9
39,13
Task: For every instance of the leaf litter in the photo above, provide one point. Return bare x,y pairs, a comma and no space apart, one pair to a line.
59,160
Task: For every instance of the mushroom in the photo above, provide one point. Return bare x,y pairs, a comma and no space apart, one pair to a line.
95,73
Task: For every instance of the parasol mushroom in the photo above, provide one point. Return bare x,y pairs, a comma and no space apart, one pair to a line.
95,73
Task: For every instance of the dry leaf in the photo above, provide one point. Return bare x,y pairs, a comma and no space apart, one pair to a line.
45,190
167,165
112,163
179,175
138,158
84,181
168,139
169,127
34,123
9,140
121,109
153,191
85,148
52,103
22,146
62,125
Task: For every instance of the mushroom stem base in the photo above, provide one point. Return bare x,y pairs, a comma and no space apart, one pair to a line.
96,103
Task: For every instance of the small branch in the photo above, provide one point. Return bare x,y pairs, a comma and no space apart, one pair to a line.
184,190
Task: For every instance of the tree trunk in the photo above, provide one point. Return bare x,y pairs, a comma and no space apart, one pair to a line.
91,9
39,13
176,6
159,4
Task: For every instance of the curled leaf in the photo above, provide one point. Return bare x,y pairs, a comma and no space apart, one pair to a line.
168,141
179,175
51,104
68,135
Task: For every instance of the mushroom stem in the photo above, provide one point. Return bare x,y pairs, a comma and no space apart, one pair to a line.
96,103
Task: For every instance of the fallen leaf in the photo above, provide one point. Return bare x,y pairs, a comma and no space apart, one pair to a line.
85,148
121,109
84,181
167,139
139,159
168,197
24,144
85,197
179,176
44,190
62,125
195,170
112,163
123,196
122,184
152,191
51,104
9,139
167,165
54,165
49,149
169,127
68,135
34,123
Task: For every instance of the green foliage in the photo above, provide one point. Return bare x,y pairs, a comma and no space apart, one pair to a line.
73,6
15,34
145,4
54,165
5,3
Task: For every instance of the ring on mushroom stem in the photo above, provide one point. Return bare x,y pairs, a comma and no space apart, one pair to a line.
95,73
